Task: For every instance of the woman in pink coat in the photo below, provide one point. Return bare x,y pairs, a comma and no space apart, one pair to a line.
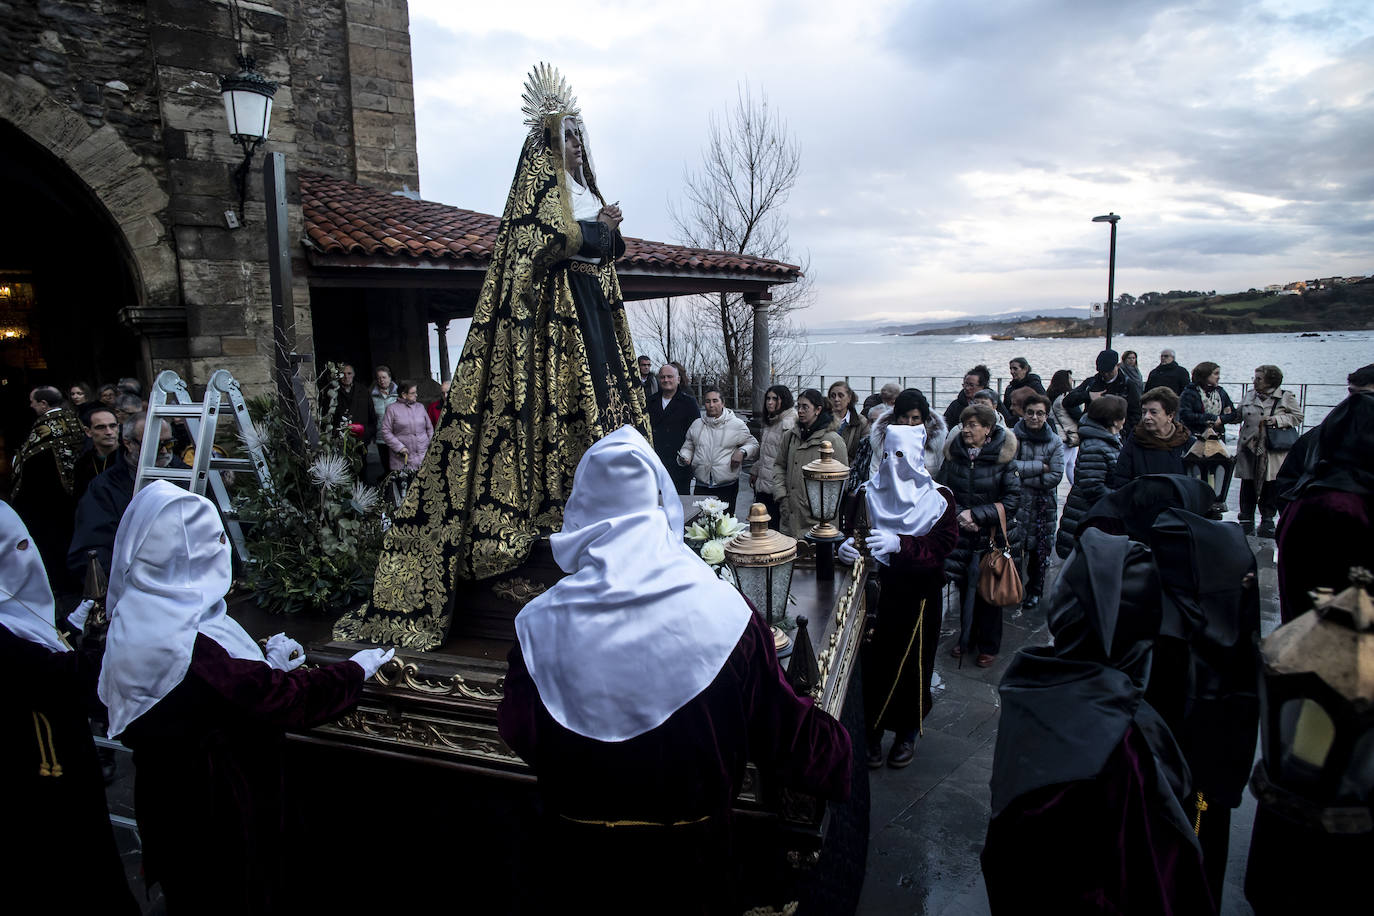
406,429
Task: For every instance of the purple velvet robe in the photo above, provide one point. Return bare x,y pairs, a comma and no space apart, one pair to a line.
208,785
675,783
1095,846
899,662
58,845
1321,536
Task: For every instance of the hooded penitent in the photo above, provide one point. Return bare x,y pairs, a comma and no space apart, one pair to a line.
1211,700
170,574
1065,707
1086,777
640,625
546,371
902,496
26,600
1132,510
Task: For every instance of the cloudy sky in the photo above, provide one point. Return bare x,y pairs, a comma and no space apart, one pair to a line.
953,154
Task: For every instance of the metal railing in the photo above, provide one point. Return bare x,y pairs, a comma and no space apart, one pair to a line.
1316,399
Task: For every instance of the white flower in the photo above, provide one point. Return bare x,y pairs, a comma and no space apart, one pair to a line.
728,527
710,506
713,552
365,497
696,532
330,471
253,436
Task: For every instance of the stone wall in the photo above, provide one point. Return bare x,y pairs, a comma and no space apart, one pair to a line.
127,95
383,94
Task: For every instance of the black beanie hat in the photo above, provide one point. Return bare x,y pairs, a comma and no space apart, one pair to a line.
1107,360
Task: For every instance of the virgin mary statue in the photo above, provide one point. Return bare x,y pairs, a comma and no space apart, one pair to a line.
546,371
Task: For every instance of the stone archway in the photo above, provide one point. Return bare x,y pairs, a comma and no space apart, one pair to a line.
126,188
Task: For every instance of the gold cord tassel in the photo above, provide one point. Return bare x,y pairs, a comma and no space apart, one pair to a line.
47,752
1201,807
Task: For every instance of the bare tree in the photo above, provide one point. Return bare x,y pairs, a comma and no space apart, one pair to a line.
735,202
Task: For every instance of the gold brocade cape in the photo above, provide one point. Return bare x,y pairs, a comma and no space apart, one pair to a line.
519,415
59,433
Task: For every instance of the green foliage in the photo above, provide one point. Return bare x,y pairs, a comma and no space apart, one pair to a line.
316,533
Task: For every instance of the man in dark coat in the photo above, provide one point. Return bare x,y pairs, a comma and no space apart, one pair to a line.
102,448
355,404
102,505
647,380
671,413
975,380
1168,373
1158,442
1086,777
1109,379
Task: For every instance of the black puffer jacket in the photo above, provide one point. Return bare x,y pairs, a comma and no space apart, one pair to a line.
977,484
1098,450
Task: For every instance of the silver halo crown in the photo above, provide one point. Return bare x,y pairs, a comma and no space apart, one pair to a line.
546,93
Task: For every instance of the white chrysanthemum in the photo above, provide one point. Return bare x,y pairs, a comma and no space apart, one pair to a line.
330,471
365,497
713,552
253,436
711,506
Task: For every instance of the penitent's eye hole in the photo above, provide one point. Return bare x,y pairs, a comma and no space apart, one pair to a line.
900,455
24,544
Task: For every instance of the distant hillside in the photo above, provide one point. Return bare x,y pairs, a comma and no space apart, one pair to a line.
1347,307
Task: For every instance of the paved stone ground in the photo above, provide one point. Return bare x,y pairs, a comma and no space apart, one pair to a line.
928,821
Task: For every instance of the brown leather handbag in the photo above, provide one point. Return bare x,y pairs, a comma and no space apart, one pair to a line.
999,582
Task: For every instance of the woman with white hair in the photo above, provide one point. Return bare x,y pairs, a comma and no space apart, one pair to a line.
205,710
58,825
639,688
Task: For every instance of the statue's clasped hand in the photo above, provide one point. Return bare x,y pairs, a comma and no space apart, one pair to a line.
610,215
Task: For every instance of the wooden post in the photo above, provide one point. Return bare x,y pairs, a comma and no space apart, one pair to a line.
286,361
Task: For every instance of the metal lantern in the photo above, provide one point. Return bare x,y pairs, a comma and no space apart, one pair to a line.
761,560
1315,781
248,108
825,479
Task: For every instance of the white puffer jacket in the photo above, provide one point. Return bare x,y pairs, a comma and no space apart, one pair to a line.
773,432
709,445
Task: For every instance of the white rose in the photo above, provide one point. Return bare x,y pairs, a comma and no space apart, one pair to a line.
697,533
729,527
713,552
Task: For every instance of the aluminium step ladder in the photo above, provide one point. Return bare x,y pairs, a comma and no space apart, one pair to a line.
171,399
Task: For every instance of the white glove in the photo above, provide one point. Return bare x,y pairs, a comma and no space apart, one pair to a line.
882,544
77,618
372,659
848,552
284,653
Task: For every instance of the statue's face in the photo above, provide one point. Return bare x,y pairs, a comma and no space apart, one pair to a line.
572,149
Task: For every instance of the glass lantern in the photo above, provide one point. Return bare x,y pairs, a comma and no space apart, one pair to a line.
825,479
1315,781
761,560
247,102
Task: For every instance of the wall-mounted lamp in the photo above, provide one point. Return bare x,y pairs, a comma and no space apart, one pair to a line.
248,107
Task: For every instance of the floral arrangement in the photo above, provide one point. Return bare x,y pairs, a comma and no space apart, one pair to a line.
315,534
707,536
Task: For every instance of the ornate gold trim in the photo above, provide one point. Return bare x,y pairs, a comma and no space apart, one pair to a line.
518,590
421,733
403,675
826,659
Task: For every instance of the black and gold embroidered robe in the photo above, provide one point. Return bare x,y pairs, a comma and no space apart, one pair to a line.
547,338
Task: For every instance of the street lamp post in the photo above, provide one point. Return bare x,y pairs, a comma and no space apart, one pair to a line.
1111,272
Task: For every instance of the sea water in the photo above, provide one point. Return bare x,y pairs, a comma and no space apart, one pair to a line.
1316,365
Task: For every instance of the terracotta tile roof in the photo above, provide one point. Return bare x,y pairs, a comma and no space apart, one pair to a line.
342,218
